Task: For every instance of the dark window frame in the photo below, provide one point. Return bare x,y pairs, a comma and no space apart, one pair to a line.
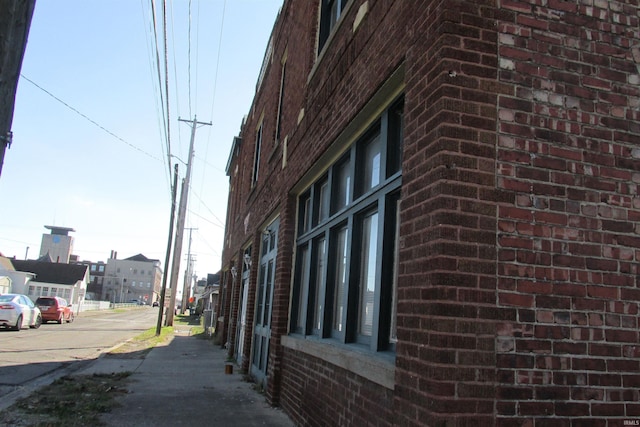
283,75
383,199
330,13
256,156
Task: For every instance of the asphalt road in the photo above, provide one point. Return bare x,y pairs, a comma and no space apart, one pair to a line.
31,358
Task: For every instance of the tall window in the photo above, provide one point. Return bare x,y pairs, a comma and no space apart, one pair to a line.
280,102
256,156
330,12
340,282
367,279
345,282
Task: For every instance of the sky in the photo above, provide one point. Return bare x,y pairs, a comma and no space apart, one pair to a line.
89,147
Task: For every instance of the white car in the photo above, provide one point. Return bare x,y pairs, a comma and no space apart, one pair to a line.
17,310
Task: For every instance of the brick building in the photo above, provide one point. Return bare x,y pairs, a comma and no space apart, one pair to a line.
434,215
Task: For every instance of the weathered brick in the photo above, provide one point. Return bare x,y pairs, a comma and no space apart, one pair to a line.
519,184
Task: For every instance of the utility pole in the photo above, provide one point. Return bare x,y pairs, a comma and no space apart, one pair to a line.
186,288
174,191
182,212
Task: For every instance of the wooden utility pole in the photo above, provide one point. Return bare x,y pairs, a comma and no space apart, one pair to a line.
15,20
163,292
182,212
186,286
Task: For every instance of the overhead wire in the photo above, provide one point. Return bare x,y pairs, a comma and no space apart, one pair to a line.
197,44
176,77
163,95
189,60
215,76
215,81
152,48
75,110
166,77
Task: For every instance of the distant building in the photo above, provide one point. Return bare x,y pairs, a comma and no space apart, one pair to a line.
17,280
97,272
135,278
44,278
58,245
433,214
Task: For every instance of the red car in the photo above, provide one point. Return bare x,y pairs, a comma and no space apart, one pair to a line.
55,309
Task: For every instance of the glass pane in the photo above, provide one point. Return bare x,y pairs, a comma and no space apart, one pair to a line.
272,240
323,201
319,282
304,283
262,279
265,244
342,186
267,294
305,214
371,164
340,279
246,259
369,252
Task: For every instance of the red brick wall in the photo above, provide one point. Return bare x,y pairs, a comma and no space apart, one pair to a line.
568,243
445,368
518,281
331,396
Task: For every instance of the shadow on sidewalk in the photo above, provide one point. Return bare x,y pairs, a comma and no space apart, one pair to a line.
184,382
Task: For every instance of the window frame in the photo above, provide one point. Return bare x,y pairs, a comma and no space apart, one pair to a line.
311,289
283,75
327,21
256,155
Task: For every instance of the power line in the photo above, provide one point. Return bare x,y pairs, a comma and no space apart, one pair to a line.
166,77
152,46
213,97
162,102
175,74
189,59
215,78
87,118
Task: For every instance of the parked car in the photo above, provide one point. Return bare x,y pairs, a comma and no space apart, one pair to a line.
55,309
17,310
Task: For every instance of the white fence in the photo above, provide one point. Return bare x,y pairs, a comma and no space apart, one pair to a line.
94,305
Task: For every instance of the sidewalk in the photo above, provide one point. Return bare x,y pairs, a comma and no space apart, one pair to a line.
183,383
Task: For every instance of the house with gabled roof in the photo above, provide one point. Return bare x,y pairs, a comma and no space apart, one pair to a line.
14,281
68,281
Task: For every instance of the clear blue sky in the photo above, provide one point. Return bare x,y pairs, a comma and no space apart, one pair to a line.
98,58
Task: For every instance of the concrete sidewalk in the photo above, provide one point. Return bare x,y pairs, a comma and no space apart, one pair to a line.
183,382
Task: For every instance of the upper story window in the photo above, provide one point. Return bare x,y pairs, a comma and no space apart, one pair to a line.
256,156
280,101
330,12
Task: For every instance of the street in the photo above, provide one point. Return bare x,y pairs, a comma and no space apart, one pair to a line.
33,357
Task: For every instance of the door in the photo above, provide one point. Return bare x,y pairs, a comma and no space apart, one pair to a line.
242,316
264,299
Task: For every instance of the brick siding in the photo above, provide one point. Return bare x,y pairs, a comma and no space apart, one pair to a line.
519,237
568,243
